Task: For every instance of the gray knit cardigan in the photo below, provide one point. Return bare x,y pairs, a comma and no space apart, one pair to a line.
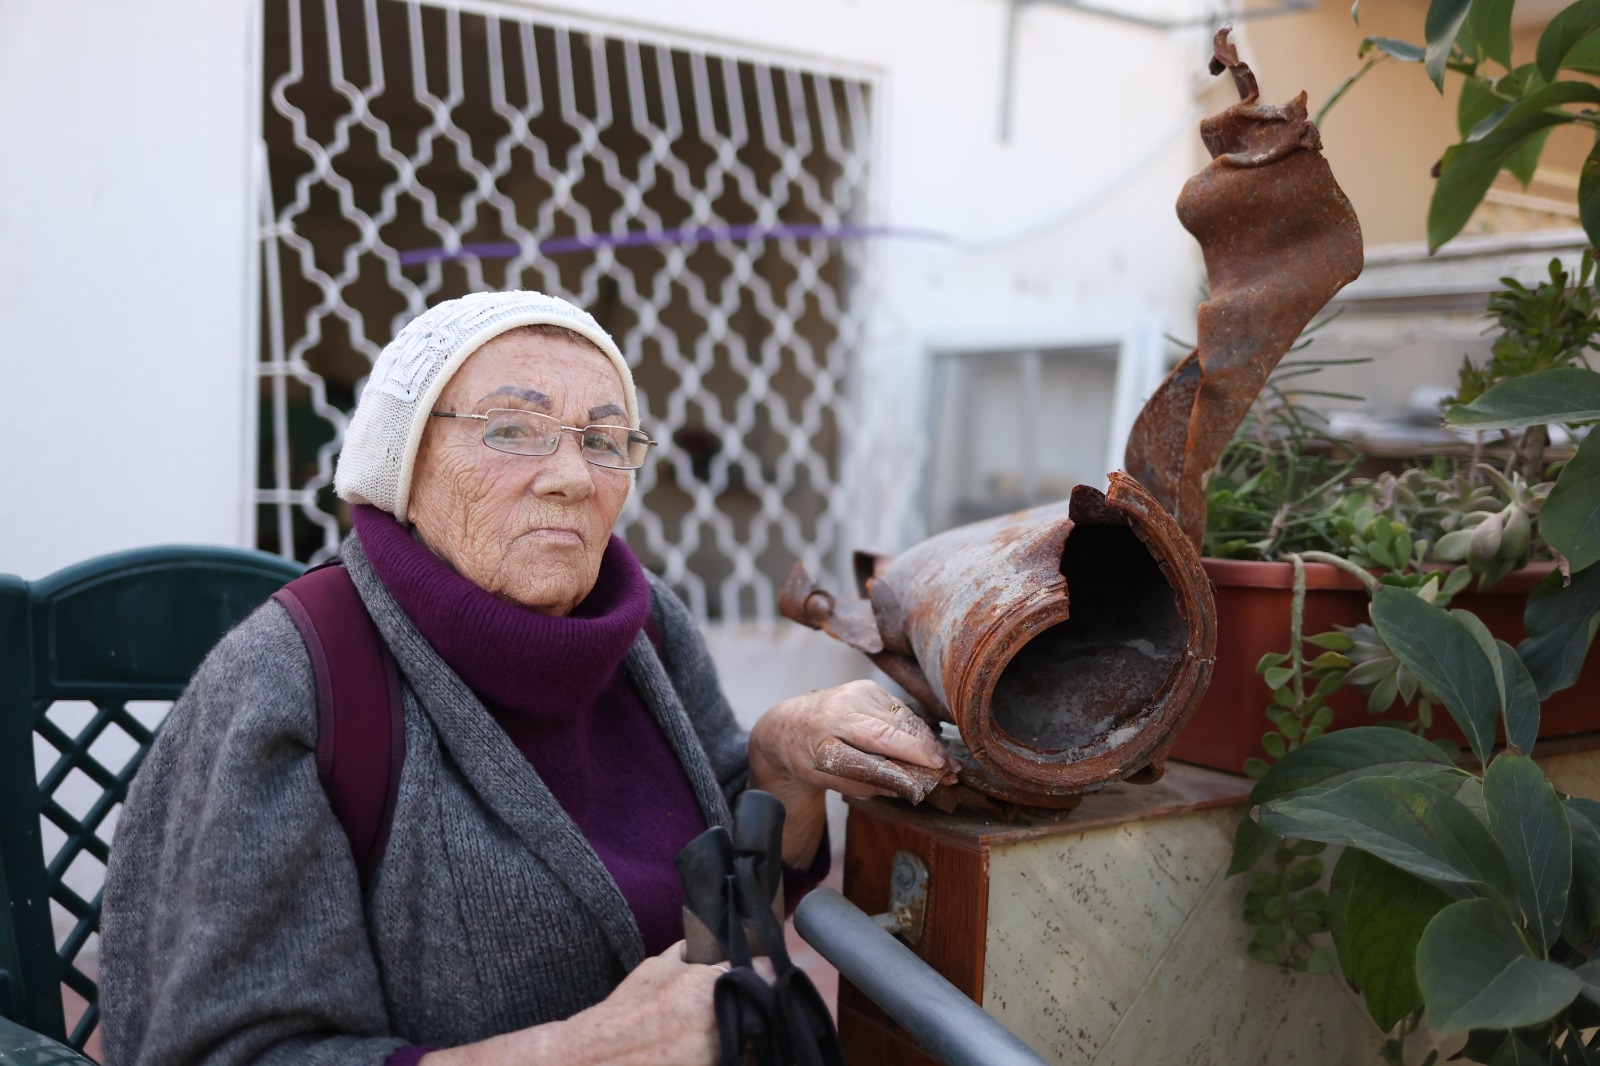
235,929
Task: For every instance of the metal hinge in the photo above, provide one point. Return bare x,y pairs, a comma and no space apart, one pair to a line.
908,898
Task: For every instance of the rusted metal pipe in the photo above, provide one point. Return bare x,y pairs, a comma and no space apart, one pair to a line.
1067,643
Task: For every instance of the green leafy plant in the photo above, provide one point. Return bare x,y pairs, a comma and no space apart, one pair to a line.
1287,908
1472,896
1554,324
1285,905
1569,517
1506,110
1467,900
1395,530
1276,487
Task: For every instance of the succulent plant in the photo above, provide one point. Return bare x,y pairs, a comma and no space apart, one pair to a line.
1398,522
1379,674
1494,534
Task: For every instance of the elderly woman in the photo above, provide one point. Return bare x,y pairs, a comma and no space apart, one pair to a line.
526,908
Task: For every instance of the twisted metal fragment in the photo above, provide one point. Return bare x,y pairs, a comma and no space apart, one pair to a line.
1279,239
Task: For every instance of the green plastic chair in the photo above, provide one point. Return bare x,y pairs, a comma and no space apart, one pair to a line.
133,625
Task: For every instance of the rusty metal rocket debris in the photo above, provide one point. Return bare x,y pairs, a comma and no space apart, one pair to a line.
1279,239
1066,643
1069,643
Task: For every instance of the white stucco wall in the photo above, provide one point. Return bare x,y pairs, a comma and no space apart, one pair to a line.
125,140
1064,232
126,285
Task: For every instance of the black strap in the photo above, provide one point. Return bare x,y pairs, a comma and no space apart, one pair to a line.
758,911
809,1035
808,1024
782,1024
749,1025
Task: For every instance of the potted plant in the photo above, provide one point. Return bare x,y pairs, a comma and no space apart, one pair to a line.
1467,897
1296,543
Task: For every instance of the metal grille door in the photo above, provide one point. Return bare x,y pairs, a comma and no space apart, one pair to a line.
700,205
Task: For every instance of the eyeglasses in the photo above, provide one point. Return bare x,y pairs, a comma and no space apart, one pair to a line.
530,433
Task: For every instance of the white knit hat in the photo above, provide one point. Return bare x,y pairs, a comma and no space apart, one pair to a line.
380,445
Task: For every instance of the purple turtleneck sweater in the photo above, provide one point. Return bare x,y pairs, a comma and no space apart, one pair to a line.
557,687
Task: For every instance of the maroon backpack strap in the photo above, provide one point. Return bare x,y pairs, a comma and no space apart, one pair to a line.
361,742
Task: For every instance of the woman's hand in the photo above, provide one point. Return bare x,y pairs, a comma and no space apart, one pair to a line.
783,753
661,1013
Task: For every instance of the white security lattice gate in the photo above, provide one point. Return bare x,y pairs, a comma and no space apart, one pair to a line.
702,206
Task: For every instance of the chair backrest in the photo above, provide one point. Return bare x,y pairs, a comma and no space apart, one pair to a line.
124,627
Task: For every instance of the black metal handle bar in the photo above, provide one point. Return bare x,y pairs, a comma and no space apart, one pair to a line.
947,1024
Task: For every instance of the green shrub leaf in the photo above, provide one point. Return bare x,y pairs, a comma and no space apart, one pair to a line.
1446,657
1250,843
1377,913
1470,793
1584,809
1583,900
1404,51
1467,170
1524,162
1491,652
1441,26
1570,519
1570,26
1521,710
1565,394
1589,974
1475,973
1562,92
1479,108
1518,1052
1364,751
1530,825
1561,623
1589,192
1585,55
1413,825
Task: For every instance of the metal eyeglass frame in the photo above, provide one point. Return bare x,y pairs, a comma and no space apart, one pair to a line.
580,430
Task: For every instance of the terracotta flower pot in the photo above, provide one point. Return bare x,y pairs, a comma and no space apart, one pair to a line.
1253,620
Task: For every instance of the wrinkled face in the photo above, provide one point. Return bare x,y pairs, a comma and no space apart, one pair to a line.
530,529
